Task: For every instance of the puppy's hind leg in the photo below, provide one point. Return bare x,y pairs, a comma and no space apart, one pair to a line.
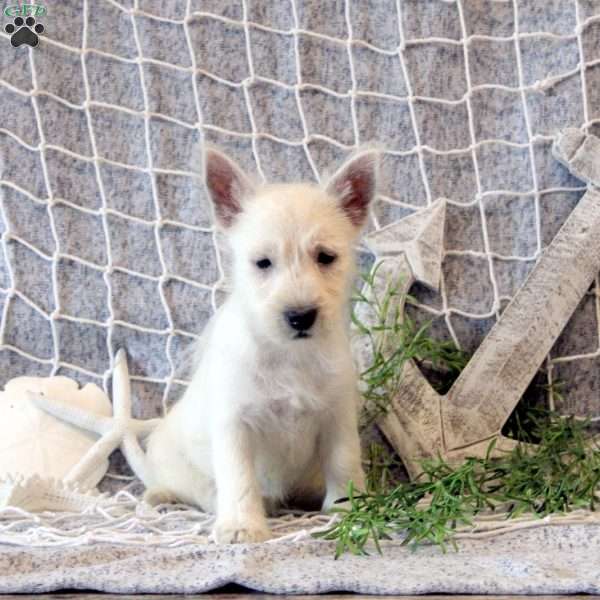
176,471
158,495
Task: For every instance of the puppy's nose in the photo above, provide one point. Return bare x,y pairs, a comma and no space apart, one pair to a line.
301,319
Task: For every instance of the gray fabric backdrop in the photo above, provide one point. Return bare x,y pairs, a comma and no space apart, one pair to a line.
106,237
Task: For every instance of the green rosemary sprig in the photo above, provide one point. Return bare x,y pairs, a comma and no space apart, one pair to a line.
395,339
558,475
556,470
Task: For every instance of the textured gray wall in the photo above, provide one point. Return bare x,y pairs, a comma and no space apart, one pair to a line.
106,234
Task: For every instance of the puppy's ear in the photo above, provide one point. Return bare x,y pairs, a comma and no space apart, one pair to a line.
227,186
354,185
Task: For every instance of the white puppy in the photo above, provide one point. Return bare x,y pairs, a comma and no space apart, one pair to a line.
271,413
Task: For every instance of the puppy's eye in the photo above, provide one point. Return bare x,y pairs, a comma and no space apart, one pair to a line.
325,258
263,263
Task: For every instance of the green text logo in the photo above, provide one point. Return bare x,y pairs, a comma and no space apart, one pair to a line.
25,10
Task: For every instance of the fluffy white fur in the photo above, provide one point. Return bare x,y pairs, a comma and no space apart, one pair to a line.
271,415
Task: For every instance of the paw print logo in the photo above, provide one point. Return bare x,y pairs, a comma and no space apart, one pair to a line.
24,31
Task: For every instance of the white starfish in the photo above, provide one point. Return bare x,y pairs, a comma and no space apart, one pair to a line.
119,431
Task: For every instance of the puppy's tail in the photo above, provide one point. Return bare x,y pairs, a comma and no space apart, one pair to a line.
137,460
130,446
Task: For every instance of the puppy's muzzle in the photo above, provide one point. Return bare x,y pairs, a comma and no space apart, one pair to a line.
301,320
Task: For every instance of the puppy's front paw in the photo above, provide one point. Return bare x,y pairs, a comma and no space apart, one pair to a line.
236,532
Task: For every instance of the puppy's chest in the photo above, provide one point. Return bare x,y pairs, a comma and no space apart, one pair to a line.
287,402
293,398
285,442
286,413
